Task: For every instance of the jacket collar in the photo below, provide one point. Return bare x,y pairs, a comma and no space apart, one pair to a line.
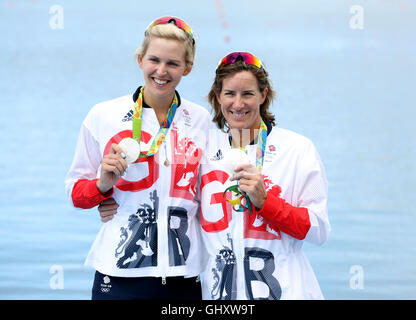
145,105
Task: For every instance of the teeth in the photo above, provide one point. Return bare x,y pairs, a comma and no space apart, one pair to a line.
160,81
239,114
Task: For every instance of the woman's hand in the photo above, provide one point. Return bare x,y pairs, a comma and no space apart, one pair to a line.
112,167
107,209
251,182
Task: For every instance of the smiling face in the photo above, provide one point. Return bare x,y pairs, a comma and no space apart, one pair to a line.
163,65
240,100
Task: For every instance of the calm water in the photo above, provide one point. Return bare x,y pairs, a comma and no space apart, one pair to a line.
350,90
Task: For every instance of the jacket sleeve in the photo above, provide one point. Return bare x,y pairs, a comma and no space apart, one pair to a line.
311,192
80,181
306,217
287,218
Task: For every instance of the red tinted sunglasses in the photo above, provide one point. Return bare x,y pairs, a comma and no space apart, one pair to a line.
176,21
245,56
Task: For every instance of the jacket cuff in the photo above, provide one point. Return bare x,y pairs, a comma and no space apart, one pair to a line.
86,195
291,220
270,207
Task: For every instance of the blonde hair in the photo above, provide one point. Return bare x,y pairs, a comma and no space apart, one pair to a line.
172,32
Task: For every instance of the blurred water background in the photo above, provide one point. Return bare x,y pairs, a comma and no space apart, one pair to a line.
345,77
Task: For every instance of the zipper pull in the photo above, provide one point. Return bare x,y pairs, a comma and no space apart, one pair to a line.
163,280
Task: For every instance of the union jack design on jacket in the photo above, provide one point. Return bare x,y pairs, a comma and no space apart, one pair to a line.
156,231
259,255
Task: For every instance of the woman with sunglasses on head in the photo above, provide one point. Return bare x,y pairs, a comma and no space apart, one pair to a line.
263,192
142,154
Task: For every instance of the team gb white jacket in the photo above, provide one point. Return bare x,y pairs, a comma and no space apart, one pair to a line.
259,255
156,229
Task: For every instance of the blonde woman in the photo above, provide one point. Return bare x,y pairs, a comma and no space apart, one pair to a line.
143,152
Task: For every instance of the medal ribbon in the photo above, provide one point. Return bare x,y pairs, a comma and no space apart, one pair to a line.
261,147
164,127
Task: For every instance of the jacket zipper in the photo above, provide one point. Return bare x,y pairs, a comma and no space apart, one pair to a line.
163,223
